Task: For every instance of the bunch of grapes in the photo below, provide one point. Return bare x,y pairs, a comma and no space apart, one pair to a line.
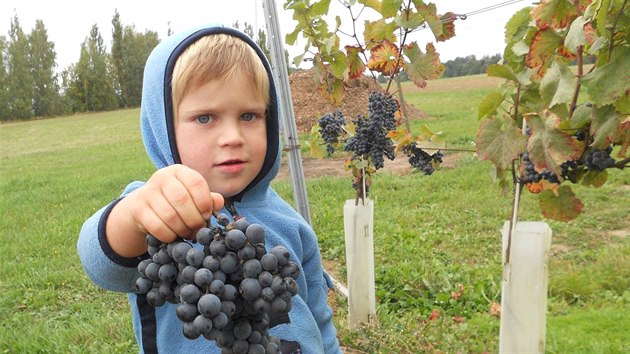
330,128
599,160
229,291
420,160
533,176
370,139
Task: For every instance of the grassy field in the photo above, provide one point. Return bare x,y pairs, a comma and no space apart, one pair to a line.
435,237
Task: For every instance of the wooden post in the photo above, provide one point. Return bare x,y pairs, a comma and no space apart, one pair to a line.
524,291
359,228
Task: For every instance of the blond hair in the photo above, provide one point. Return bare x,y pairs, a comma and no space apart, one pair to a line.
217,57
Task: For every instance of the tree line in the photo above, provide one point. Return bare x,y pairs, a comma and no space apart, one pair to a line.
31,87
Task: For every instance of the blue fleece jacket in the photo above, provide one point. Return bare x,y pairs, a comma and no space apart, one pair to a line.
158,329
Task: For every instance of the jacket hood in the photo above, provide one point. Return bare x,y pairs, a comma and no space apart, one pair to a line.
156,117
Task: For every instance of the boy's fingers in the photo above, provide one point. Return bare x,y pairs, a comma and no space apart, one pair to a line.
199,191
156,227
217,201
181,214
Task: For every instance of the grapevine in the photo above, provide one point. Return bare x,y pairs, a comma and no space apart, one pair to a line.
559,120
230,291
386,50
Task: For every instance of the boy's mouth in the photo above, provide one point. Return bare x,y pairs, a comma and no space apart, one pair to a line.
230,162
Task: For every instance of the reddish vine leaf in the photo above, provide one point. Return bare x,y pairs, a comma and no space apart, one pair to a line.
448,27
500,141
542,48
384,58
376,32
356,68
560,204
624,139
554,13
422,66
548,146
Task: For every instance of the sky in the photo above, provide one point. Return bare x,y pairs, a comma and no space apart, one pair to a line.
68,22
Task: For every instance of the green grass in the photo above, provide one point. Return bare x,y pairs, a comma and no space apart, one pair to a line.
431,234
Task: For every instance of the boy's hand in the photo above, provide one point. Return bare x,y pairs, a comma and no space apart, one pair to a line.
175,201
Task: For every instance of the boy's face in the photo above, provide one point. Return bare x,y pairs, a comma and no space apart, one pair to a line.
221,133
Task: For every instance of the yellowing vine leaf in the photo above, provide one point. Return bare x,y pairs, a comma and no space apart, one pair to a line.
389,8
548,146
374,4
489,104
356,68
429,14
376,32
384,58
422,66
560,204
544,45
500,141
554,13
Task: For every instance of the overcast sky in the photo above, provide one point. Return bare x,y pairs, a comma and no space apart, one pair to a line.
68,22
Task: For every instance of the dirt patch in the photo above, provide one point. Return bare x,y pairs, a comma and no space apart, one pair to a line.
334,166
309,105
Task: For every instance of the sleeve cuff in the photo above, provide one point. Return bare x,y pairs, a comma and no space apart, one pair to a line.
105,246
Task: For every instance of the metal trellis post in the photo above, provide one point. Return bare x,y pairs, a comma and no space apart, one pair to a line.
289,129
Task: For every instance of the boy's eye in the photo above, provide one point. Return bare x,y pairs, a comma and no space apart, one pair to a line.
203,119
248,117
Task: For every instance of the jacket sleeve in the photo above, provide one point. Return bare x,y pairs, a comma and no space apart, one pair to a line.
318,292
104,267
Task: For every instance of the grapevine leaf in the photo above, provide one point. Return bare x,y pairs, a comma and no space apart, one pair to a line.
560,204
576,36
356,67
558,85
517,27
505,72
595,178
374,4
426,134
422,66
500,141
448,27
429,14
338,64
581,117
333,89
624,140
489,104
542,48
548,146
389,8
409,19
376,32
607,83
605,126
384,58
291,38
320,7
554,13
316,149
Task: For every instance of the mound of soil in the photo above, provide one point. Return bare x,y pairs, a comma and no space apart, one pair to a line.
309,105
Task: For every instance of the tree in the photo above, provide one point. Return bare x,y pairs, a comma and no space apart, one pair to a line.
19,78
91,83
4,93
46,97
129,53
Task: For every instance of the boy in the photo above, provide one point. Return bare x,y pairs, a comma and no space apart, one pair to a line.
209,120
